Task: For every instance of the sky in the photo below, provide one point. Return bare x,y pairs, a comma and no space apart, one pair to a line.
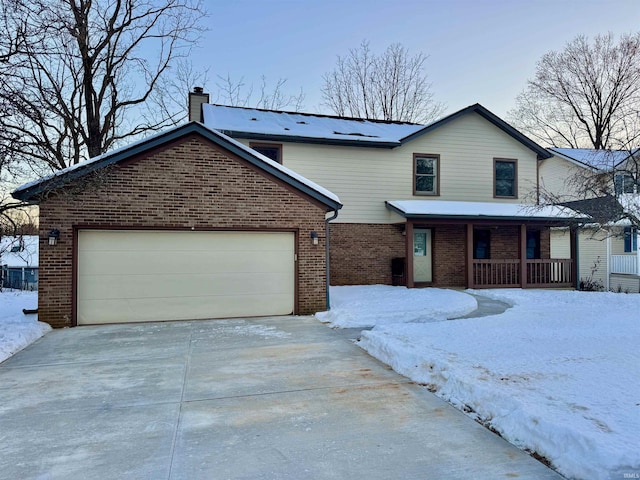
479,51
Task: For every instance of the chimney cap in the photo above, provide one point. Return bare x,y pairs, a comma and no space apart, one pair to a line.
199,90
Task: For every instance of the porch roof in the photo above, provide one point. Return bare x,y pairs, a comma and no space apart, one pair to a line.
440,209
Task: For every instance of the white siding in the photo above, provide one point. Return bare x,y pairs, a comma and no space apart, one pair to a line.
557,179
592,254
364,178
625,283
560,243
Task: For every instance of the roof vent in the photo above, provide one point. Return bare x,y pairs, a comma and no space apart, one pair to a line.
301,122
254,119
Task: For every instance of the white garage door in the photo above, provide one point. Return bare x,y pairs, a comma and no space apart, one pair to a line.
146,276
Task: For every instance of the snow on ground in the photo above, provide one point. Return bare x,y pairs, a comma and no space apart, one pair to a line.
18,330
556,374
366,306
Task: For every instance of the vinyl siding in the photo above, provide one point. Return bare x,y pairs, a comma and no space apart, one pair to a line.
556,178
364,178
560,243
592,250
625,283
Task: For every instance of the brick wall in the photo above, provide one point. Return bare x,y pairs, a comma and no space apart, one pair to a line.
449,255
361,253
189,184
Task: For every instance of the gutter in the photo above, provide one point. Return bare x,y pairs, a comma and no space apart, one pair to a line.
327,255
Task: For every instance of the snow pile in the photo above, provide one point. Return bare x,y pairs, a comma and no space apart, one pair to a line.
556,374
18,330
369,305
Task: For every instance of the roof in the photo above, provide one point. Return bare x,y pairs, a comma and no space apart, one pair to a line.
258,124
440,209
26,254
30,191
276,125
592,158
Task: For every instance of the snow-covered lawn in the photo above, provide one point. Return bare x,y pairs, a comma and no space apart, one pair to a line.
558,373
366,306
18,330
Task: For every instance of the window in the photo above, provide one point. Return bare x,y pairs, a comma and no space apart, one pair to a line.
481,244
269,150
630,239
505,178
425,168
533,244
624,183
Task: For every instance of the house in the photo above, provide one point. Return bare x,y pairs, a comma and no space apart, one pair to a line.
609,256
19,262
451,204
186,224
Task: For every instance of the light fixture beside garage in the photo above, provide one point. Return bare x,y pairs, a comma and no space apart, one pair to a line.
54,235
314,238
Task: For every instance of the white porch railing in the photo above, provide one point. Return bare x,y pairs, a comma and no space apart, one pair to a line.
624,264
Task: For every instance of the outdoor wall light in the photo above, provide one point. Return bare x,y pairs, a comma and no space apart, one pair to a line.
54,235
314,238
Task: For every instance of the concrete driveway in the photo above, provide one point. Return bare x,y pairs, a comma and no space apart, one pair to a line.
274,398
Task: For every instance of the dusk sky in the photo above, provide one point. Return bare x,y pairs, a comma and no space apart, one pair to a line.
479,50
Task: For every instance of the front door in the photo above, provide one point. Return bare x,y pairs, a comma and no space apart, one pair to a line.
422,256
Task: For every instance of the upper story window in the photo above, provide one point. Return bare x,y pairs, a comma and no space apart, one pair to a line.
426,169
269,150
505,178
624,183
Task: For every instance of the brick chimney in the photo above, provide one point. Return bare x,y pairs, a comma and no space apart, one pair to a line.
196,99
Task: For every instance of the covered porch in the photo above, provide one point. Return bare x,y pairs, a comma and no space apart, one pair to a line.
483,245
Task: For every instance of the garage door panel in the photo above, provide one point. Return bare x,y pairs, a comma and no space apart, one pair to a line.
130,276
191,285
186,262
181,308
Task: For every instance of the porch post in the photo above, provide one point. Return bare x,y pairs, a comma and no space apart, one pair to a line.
470,283
523,256
637,252
409,248
573,240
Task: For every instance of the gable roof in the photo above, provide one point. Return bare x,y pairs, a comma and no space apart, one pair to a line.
594,159
30,191
276,125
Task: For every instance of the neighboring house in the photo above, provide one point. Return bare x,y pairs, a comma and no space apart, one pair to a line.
451,204
187,224
19,262
608,250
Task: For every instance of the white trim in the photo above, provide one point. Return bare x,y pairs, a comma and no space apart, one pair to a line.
608,273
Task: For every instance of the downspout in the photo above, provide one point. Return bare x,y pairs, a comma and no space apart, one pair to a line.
576,247
327,254
607,282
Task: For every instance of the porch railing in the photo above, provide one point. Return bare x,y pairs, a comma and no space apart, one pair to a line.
506,273
624,264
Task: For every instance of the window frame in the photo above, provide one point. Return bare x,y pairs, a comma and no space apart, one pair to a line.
482,232
514,161
277,146
630,239
436,183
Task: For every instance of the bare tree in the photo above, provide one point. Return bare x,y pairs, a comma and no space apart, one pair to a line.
79,75
237,93
585,96
392,86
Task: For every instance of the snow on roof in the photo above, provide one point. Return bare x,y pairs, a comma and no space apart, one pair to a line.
441,208
26,251
135,146
599,159
305,125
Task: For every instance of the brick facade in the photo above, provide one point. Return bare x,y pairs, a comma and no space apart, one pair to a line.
361,253
188,184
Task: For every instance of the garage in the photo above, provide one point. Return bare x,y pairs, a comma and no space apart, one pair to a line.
139,276
185,225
